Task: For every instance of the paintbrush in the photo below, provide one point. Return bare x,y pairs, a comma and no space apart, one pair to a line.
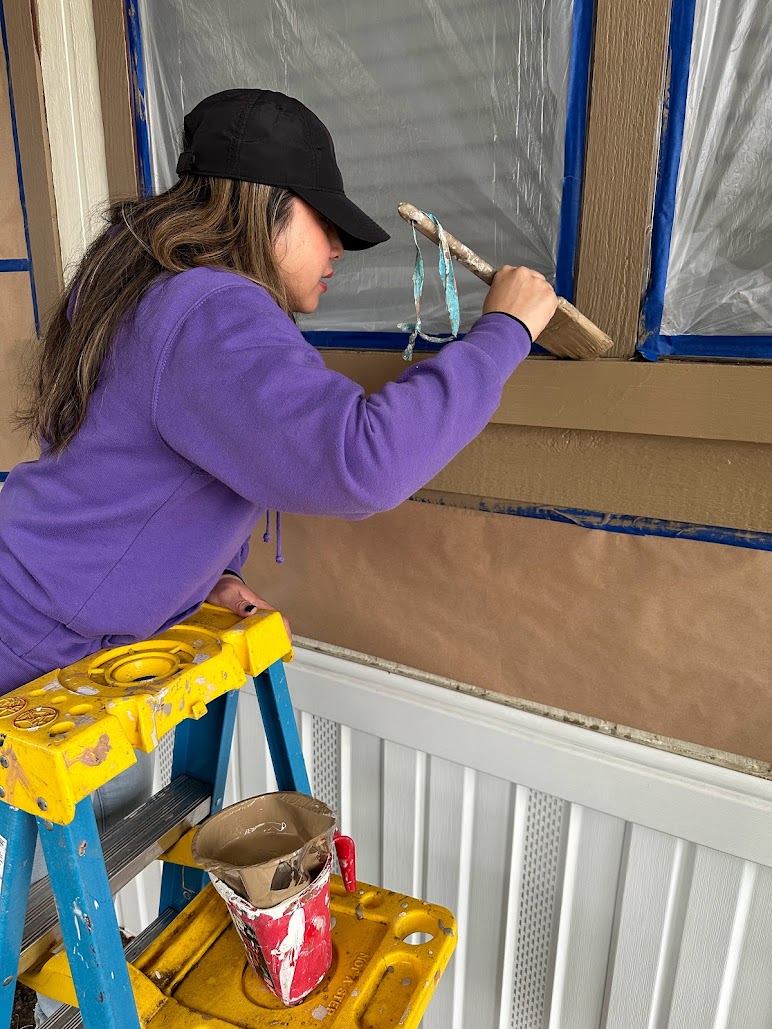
569,333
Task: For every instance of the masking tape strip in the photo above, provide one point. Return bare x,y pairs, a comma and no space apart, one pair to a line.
22,199
632,524
574,146
673,116
138,96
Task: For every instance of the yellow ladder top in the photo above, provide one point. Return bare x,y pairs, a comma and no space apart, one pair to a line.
72,730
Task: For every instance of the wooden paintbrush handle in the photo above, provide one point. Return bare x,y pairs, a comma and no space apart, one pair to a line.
459,250
485,271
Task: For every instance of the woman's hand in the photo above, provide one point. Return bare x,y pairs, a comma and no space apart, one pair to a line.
524,293
231,593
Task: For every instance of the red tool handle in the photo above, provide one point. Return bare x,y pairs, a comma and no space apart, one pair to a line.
347,859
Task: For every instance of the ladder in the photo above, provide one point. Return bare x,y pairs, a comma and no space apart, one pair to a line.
67,733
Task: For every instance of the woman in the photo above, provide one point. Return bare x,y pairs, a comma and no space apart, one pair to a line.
177,401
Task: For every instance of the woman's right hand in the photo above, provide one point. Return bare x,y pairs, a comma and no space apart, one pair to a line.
524,293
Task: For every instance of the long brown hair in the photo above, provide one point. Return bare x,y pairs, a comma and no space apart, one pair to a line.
200,221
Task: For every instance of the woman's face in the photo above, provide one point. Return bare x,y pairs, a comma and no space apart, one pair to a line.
305,251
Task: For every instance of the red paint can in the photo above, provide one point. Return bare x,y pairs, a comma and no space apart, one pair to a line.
288,945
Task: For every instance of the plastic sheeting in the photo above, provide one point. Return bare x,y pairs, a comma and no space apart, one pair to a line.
453,105
720,269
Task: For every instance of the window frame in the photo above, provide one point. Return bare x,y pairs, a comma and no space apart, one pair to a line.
653,344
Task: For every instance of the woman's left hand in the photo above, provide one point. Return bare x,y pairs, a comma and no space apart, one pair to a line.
233,594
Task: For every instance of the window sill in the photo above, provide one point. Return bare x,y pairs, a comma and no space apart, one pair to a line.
694,400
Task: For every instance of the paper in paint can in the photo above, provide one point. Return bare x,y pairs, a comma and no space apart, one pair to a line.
288,945
267,848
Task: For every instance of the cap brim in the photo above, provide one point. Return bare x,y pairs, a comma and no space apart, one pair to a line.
356,230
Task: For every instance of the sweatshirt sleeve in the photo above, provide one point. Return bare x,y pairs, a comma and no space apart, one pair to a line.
237,562
240,393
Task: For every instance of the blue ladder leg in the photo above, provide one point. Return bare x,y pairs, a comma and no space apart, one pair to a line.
202,750
79,882
281,729
18,833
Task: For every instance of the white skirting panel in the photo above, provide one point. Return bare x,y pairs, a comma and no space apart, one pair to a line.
596,882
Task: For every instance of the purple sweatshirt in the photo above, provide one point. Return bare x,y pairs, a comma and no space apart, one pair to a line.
212,408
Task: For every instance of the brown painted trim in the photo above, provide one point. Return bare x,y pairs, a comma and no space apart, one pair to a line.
630,54
115,94
706,482
32,129
701,400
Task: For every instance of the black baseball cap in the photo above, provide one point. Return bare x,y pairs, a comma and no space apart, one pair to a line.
257,135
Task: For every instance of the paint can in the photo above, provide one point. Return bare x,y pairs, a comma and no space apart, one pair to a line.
269,858
288,945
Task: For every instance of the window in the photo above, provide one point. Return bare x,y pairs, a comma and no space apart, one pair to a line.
711,285
456,106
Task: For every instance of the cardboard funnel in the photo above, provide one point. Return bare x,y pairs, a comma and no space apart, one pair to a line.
267,849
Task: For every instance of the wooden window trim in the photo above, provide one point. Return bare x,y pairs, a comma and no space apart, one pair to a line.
692,399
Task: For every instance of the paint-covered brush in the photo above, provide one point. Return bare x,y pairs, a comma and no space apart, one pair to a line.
569,333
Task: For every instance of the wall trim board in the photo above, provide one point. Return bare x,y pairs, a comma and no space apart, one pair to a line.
68,56
633,524
34,152
115,95
701,400
705,482
628,75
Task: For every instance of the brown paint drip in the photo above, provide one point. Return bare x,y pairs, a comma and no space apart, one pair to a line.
16,775
93,756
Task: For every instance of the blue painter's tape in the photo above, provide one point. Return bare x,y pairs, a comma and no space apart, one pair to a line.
627,523
367,341
673,116
740,347
333,340
652,347
138,97
22,199
20,265
574,146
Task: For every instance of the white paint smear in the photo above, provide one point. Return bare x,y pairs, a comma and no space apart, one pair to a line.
288,950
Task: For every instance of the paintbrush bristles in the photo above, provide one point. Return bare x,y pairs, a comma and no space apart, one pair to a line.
569,333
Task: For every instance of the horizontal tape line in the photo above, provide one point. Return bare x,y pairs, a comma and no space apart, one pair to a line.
632,524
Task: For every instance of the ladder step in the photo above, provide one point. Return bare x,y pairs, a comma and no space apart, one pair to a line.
69,1018
128,847
64,1018
140,943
